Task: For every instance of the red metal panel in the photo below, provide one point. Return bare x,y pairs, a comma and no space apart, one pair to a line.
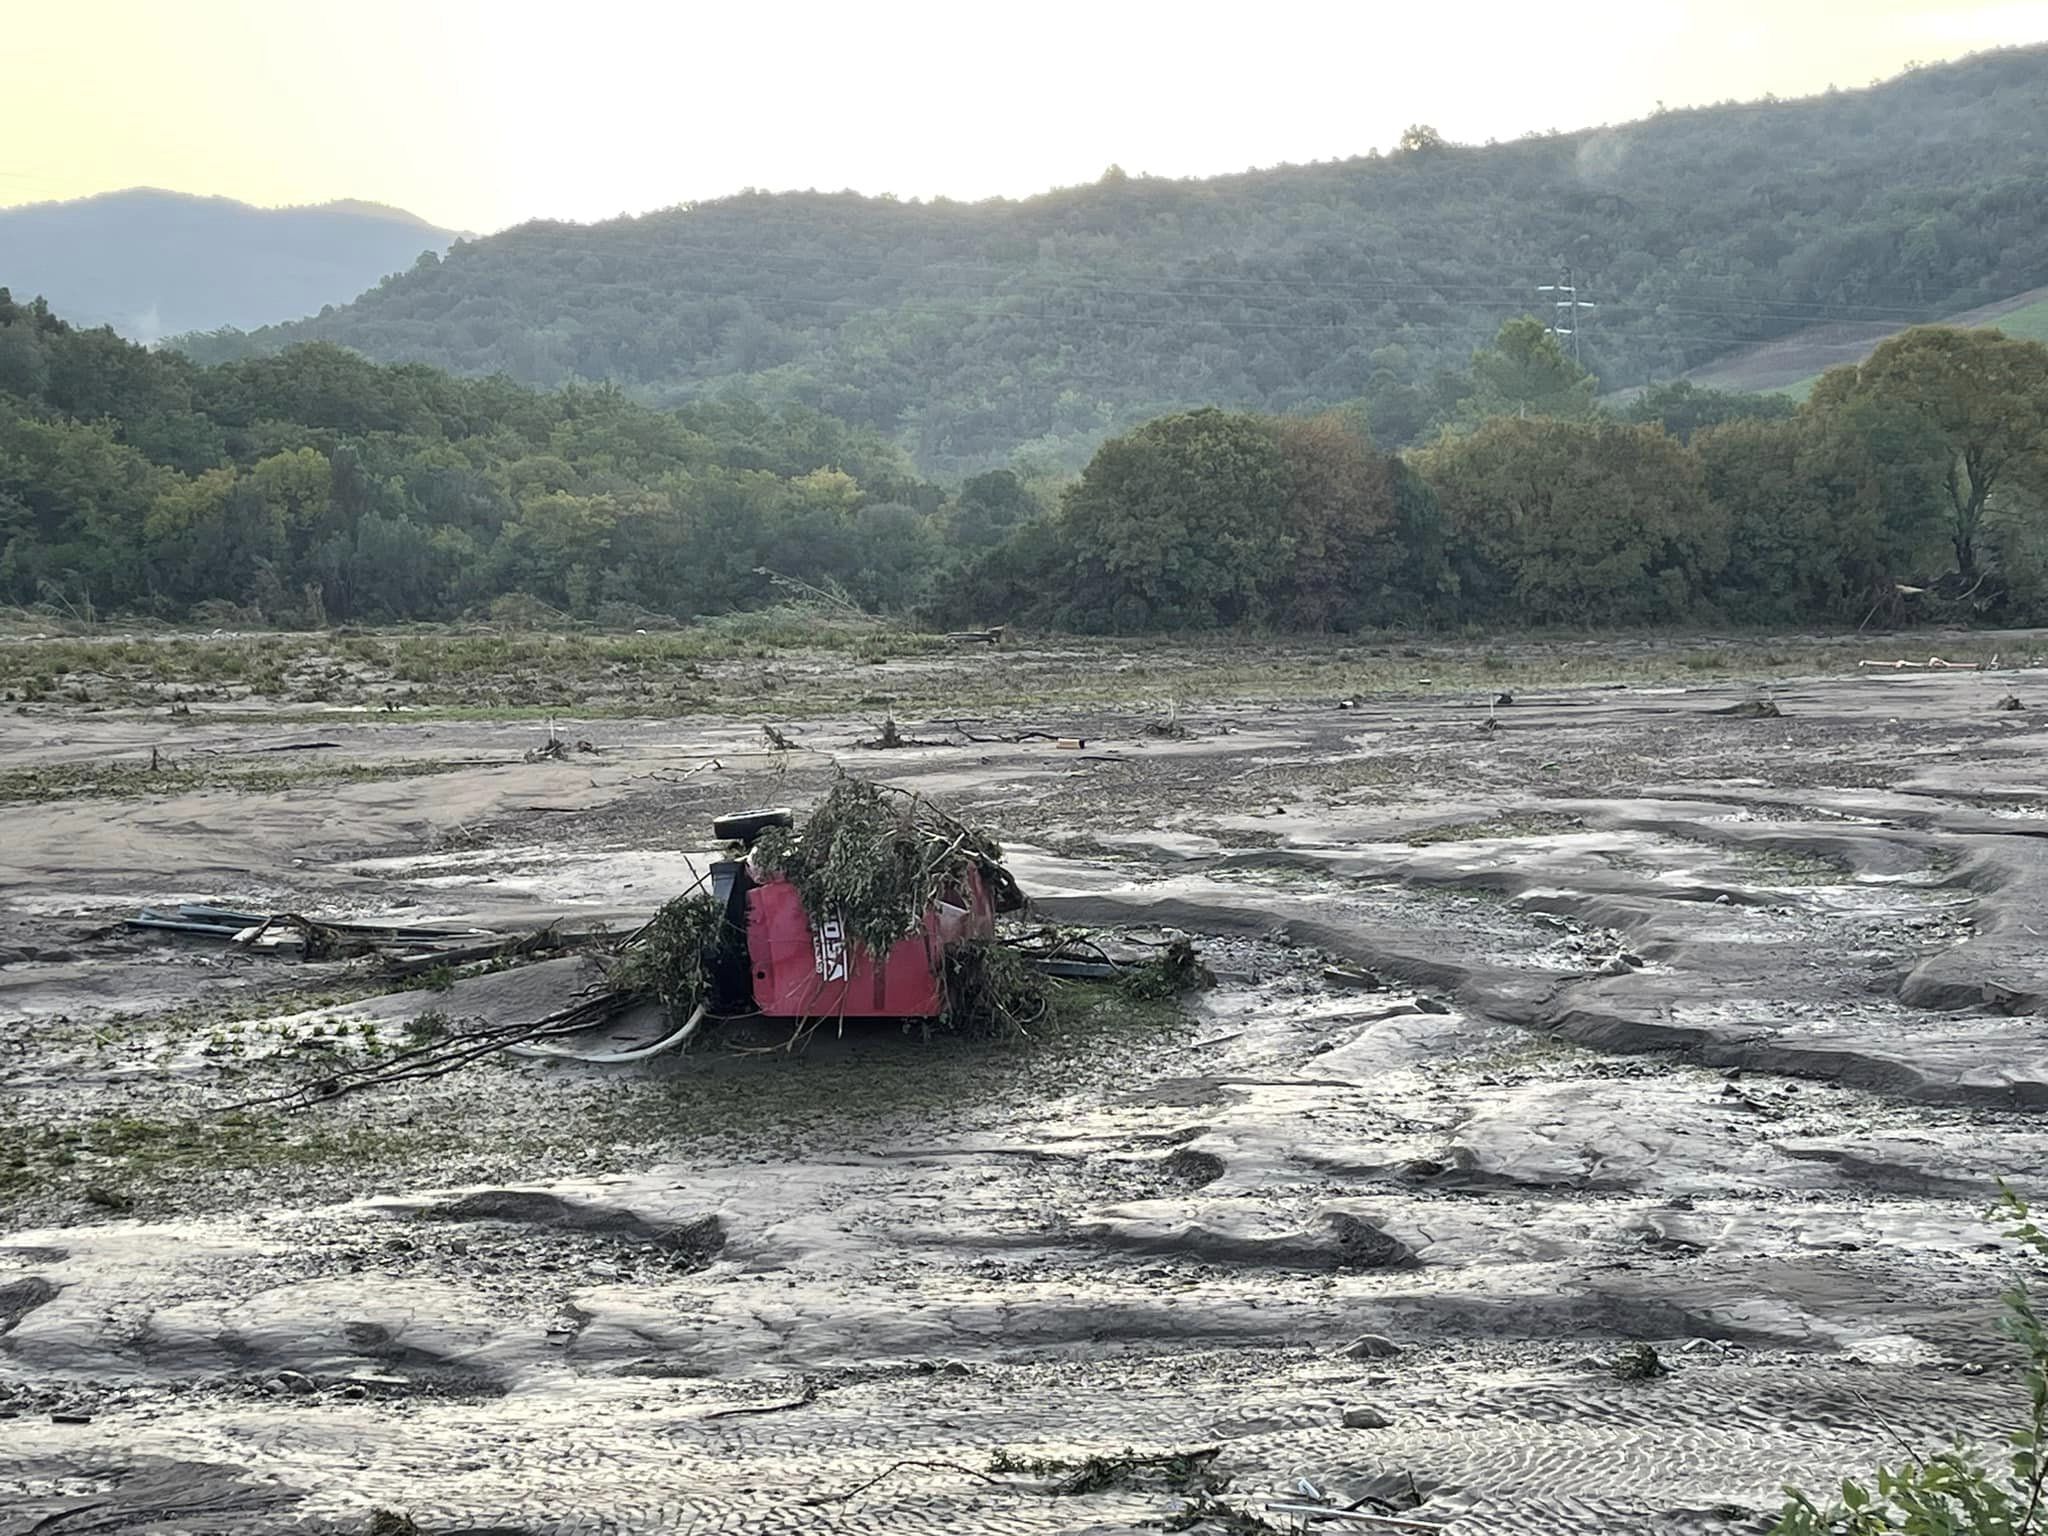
800,972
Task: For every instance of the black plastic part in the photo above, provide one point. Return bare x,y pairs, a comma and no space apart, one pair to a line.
732,972
1004,893
745,826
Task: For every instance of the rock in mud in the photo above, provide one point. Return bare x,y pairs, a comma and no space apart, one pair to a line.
1371,1346
18,1298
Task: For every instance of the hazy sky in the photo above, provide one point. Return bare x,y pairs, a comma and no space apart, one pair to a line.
480,113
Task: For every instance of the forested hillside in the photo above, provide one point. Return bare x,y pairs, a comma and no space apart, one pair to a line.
968,332
149,263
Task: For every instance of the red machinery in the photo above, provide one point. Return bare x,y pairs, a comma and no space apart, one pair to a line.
794,968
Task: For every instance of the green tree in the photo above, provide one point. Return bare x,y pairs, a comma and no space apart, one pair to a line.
1338,519
989,508
1562,522
87,495
1827,514
1527,373
1180,524
1983,396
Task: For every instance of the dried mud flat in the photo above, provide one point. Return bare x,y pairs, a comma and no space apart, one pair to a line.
1692,1028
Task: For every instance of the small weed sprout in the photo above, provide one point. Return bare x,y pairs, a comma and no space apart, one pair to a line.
427,1027
1640,1362
1954,1492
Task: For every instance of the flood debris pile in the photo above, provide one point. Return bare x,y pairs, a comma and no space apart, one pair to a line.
311,938
878,861
992,990
1176,971
671,961
878,904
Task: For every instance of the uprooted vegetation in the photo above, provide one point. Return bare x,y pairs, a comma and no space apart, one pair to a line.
877,866
670,960
877,861
1954,1492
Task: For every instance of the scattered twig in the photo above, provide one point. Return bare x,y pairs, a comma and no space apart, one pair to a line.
808,1397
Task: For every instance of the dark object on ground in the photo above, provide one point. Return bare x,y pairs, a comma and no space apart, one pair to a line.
744,826
1176,972
1356,981
991,636
1366,1418
892,738
542,941
315,939
1371,1346
1180,1471
1640,1362
1752,709
2010,702
1169,726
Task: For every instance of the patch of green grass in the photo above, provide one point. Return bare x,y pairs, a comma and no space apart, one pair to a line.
1776,867
1521,824
2029,324
137,780
116,1161
769,666
880,1083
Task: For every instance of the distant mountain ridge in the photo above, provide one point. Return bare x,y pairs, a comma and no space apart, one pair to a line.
970,331
151,263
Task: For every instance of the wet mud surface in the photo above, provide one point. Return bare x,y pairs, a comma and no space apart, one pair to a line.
1546,1028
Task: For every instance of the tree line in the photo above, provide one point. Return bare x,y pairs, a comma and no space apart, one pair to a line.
314,487
1914,485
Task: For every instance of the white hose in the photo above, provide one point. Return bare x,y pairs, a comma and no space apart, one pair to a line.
614,1058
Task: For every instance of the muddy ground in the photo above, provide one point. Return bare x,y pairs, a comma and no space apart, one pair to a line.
1615,1011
